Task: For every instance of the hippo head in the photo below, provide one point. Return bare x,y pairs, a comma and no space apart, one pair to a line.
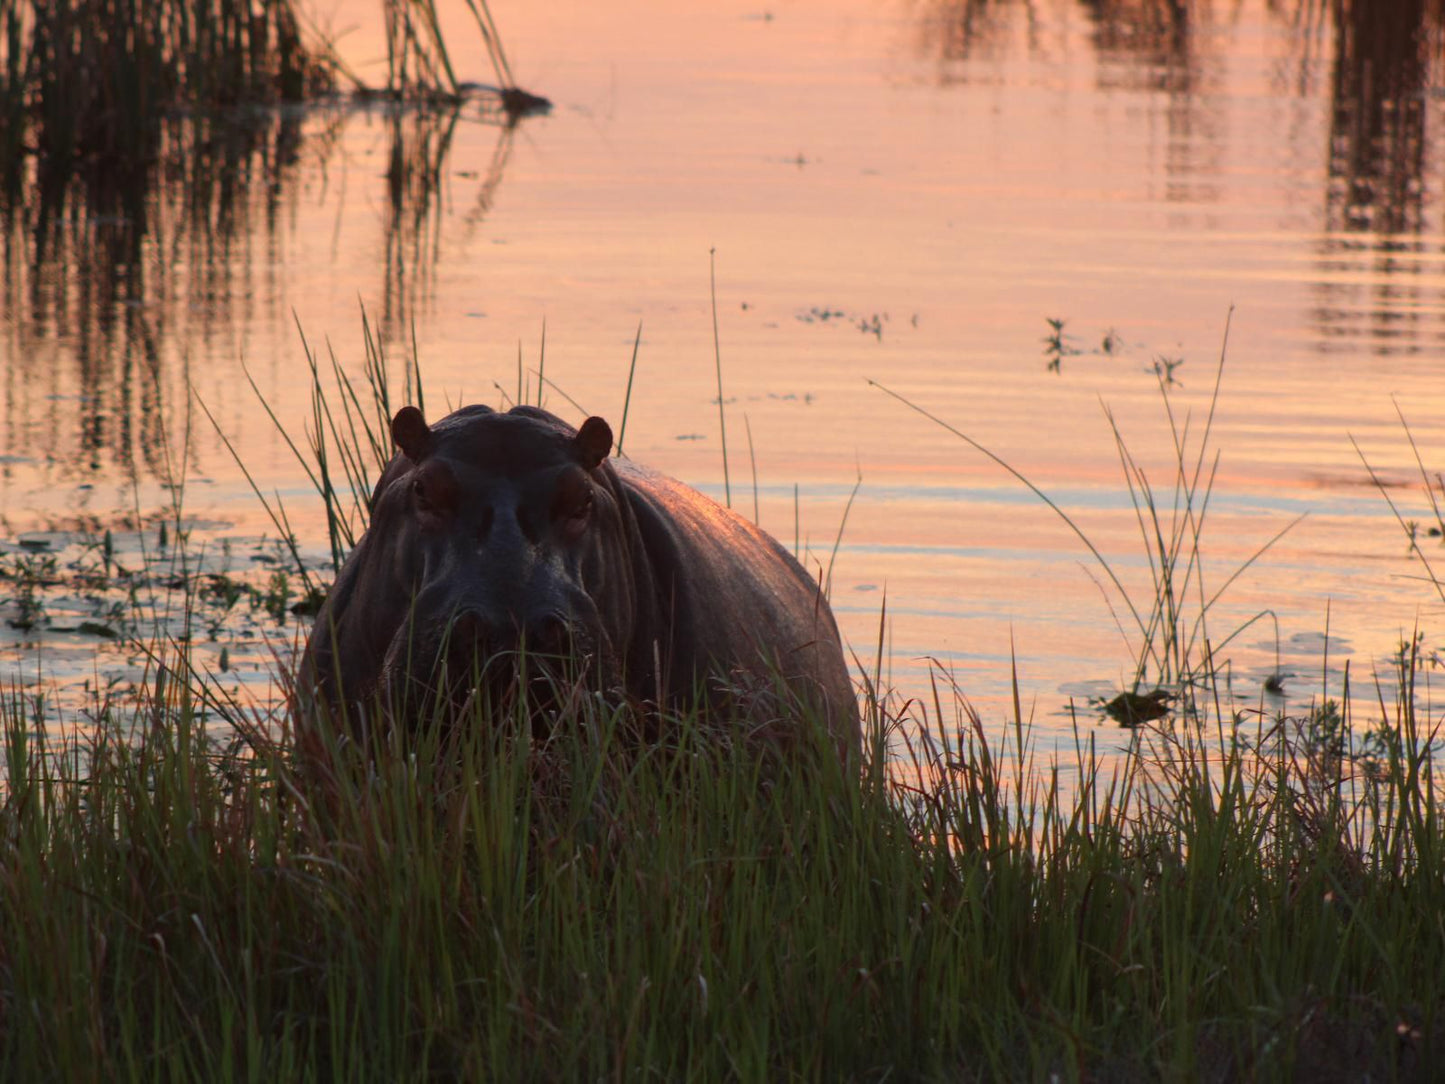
498,548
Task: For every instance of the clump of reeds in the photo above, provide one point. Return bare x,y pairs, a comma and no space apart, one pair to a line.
87,80
418,61
84,84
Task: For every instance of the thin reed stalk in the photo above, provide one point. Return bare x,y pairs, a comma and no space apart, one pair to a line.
717,358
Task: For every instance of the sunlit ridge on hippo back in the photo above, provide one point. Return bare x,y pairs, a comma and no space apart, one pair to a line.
503,545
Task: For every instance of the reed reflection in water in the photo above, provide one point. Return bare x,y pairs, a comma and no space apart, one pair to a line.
111,275
1384,60
113,279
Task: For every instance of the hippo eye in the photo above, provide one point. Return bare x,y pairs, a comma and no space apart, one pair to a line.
583,508
433,493
571,506
425,498
575,511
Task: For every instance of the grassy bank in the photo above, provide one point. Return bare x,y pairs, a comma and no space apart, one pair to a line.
580,908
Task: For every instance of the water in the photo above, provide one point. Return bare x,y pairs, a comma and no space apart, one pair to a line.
900,193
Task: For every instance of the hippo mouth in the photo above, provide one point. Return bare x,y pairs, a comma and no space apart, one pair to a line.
464,673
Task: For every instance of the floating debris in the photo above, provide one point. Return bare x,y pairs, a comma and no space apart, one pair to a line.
1133,709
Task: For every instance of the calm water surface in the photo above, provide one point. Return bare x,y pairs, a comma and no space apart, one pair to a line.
901,193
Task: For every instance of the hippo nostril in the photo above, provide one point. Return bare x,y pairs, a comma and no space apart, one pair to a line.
550,634
467,639
467,628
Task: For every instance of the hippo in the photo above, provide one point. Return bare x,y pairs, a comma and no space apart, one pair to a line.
500,536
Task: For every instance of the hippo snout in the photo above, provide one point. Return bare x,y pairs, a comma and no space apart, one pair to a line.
498,660
476,637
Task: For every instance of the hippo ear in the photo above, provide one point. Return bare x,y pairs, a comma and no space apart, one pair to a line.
593,443
410,433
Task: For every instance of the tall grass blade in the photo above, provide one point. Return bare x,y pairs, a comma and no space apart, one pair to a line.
717,357
627,395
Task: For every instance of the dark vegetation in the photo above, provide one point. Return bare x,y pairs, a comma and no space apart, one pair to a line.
86,83
483,903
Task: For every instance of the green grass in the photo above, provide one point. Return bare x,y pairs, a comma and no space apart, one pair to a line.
486,905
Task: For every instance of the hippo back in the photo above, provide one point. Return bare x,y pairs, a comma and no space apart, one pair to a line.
736,610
